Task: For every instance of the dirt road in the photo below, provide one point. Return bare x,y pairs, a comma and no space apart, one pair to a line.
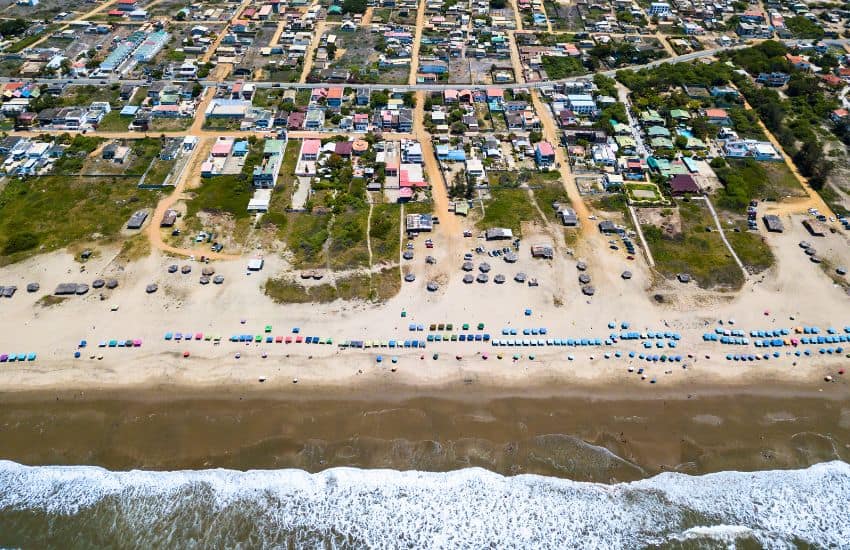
191,177
795,207
308,57
417,40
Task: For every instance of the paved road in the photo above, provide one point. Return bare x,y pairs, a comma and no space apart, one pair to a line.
407,87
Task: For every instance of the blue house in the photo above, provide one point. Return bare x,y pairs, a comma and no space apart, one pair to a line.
454,155
433,67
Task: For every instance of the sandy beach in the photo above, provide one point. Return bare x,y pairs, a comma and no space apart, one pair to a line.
794,294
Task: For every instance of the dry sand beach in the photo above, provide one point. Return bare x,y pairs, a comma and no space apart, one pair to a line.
797,293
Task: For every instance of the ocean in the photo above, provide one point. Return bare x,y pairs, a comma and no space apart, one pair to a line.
91,507
711,470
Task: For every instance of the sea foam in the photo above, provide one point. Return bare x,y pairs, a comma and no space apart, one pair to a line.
471,508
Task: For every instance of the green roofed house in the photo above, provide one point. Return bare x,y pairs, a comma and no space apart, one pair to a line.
695,143
657,131
335,10
626,144
620,129
666,168
661,143
651,118
680,114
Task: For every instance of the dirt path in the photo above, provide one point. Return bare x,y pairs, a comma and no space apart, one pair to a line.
647,252
214,46
191,173
519,74
723,237
308,57
550,134
417,40
665,44
517,16
796,207
369,230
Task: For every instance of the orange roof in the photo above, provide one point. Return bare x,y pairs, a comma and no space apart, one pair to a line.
716,113
335,93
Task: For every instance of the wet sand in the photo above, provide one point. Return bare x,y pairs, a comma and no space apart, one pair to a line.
611,437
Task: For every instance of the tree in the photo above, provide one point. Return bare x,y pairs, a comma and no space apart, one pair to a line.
331,49
535,136
498,4
378,99
458,127
354,6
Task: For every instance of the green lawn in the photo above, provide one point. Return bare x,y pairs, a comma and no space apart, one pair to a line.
82,96
508,208
695,251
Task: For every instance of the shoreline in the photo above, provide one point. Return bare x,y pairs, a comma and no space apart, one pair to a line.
382,386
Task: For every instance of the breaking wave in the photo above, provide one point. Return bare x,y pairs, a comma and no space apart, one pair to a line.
85,506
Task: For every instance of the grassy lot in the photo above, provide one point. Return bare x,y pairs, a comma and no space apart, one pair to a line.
348,240
159,171
82,96
379,287
114,122
305,236
228,193
752,250
384,232
549,193
29,40
646,187
748,179
47,213
139,96
508,208
695,251
170,124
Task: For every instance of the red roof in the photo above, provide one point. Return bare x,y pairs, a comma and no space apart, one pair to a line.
115,13
343,148
545,148
716,113
495,92
334,93
683,183
311,147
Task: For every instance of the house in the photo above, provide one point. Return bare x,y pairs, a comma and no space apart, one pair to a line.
773,80
799,62
416,223
334,97
660,9
759,150
310,149
265,174
544,154
717,116
314,120
683,184
362,97
582,104
498,234
840,116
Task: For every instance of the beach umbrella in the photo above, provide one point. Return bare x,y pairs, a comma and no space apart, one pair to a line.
111,283
394,359
238,355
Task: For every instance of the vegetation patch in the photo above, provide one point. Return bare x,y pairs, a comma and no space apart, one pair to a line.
694,251
508,208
